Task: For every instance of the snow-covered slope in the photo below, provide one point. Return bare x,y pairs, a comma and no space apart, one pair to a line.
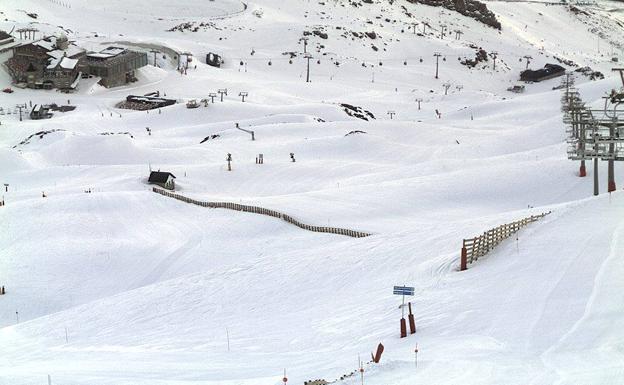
124,286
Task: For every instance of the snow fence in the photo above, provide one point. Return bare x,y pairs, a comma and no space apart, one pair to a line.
473,248
264,211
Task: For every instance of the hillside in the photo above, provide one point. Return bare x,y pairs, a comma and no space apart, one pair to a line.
125,286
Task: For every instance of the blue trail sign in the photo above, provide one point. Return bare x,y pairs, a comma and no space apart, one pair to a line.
403,290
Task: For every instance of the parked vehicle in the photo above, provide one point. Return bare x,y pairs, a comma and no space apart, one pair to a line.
517,89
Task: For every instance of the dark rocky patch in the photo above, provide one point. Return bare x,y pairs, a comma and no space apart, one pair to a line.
210,137
480,56
470,8
357,112
39,134
590,73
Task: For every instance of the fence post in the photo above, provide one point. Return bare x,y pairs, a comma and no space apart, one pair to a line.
463,265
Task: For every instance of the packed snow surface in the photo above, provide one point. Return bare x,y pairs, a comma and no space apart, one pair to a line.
124,286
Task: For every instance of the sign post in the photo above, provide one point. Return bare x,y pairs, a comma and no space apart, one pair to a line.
410,317
403,291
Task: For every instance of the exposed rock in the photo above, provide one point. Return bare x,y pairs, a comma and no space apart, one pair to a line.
471,8
357,112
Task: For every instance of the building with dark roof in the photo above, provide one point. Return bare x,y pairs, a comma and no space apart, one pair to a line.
40,111
115,65
548,72
162,179
51,62
54,62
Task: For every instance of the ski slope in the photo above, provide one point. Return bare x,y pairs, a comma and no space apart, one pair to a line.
124,286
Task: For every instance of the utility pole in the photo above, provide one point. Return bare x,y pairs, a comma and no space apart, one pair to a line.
419,100
391,113
243,95
442,29
414,27
308,57
222,91
494,57
595,135
437,56
611,162
212,96
621,71
612,131
425,25
229,160
528,61
305,44
446,86
459,87
458,34
20,107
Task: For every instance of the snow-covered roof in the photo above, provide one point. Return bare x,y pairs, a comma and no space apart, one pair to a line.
99,55
64,62
47,45
113,50
107,53
56,54
68,63
53,63
72,50
8,46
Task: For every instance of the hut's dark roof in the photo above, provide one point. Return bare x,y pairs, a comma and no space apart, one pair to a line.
549,70
159,176
4,35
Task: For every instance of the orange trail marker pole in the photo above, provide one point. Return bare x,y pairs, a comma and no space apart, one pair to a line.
416,356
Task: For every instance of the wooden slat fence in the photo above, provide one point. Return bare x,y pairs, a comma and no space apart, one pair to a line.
264,211
474,248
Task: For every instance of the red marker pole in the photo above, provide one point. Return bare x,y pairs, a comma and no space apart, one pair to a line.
416,356
285,379
361,369
412,323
